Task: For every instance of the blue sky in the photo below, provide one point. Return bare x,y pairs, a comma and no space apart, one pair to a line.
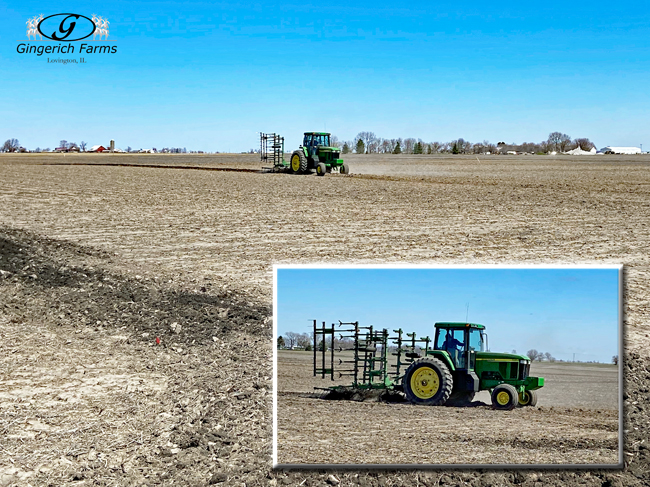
562,311
210,76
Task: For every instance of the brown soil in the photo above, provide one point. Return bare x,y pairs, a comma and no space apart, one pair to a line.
576,427
100,404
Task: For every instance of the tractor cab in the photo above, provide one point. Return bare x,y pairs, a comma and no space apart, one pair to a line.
314,139
461,341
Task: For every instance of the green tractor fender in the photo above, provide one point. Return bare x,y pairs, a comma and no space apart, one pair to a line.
444,357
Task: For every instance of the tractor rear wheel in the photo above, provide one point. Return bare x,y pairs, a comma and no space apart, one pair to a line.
321,169
345,169
505,397
528,398
298,162
460,398
428,381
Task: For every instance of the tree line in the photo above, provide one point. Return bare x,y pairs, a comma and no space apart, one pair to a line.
369,143
13,145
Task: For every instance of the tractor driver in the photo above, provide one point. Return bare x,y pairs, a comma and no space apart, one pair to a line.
451,343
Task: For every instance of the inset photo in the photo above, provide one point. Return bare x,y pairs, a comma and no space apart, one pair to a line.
461,366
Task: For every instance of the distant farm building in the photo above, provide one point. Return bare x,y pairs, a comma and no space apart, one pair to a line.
579,152
620,150
97,148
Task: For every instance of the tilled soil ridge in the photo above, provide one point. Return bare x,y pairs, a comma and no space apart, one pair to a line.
88,397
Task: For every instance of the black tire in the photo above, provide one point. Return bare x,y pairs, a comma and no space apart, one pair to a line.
528,398
505,397
428,381
345,169
321,169
460,398
298,163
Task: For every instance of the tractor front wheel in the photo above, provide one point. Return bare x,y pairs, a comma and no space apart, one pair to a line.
528,398
298,162
345,169
505,397
428,381
321,169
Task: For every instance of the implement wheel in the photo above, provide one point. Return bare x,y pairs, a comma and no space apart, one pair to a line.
528,398
428,381
298,162
505,397
321,169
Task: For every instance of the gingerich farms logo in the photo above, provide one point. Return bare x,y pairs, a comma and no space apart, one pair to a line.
58,32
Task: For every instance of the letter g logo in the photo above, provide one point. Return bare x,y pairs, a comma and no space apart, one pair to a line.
63,25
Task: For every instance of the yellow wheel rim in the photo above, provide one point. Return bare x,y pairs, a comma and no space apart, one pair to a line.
425,383
503,398
524,398
295,163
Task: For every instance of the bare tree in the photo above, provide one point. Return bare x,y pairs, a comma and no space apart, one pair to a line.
549,357
409,145
373,145
63,144
615,359
534,355
303,340
584,144
558,141
291,339
11,145
83,146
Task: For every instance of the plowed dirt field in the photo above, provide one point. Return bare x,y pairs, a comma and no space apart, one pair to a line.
97,261
575,422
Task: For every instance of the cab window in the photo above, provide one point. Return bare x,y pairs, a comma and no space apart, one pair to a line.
476,340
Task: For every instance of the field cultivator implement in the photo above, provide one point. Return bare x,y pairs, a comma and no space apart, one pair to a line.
450,369
272,152
362,353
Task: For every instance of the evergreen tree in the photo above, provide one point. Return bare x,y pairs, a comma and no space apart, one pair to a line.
281,342
418,148
398,148
454,149
346,148
361,147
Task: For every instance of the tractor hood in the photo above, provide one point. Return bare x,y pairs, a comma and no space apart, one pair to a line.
330,149
508,357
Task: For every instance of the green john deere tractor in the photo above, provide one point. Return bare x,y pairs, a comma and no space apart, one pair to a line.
450,370
316,153
458,366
